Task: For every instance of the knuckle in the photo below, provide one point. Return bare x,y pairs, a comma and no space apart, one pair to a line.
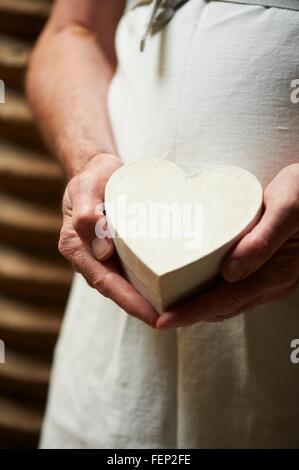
103,285
260,244
63,246
67,245
79,267
65,249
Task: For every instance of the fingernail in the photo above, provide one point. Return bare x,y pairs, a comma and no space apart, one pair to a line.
162,326
234,270
165,323
100,247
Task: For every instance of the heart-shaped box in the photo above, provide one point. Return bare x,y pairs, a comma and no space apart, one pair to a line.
172,230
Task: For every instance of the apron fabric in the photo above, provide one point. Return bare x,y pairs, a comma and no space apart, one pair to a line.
213,87
164,10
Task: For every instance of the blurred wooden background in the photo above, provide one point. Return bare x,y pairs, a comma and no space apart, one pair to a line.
34,279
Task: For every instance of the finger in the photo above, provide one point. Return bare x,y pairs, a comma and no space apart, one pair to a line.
103,245
259,245
87,191
106,279
223,299
115,287
88,218
112,285
245,308
88,208
102,249
275,280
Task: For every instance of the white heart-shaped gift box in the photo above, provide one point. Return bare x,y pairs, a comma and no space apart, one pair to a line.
172,230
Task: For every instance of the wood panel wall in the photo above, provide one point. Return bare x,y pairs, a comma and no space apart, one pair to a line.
34,279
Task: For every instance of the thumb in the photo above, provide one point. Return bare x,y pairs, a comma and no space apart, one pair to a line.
102,245
260,244
102,248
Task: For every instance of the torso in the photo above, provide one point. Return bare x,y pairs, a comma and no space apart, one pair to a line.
213,88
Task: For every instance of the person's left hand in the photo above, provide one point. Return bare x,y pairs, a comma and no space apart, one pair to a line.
263,266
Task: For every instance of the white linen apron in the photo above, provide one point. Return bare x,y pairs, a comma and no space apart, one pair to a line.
213,87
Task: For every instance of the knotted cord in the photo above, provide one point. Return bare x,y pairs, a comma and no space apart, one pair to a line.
162,12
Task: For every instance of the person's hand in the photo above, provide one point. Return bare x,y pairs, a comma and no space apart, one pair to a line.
264,266
83,194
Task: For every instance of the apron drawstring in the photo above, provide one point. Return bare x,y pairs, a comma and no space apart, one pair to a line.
161,14
148,28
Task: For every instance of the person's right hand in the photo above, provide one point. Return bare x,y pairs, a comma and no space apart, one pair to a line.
84,192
